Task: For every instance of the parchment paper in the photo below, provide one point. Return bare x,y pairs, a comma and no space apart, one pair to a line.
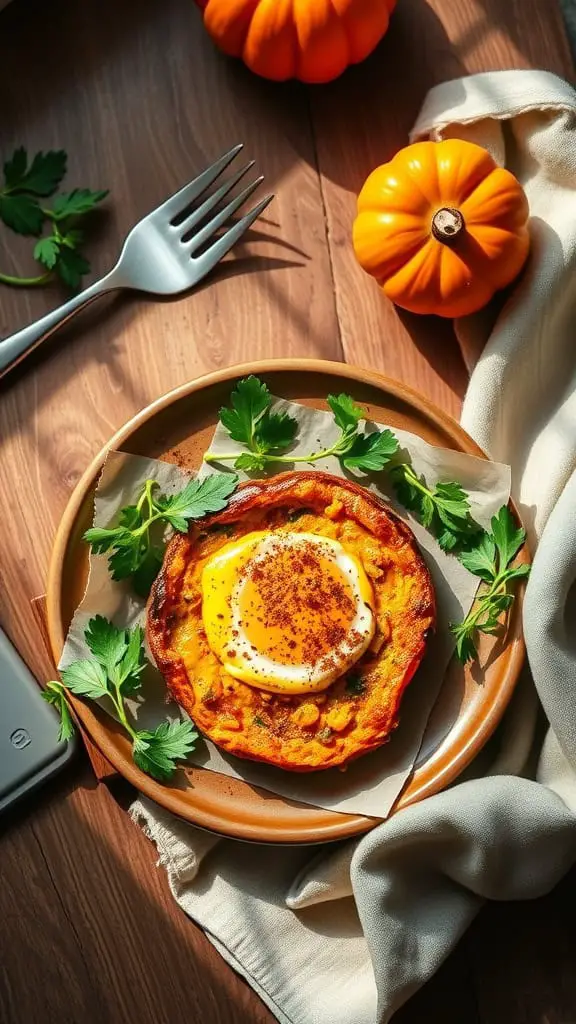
372,784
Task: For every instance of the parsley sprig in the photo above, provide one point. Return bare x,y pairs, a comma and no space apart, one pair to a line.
114,672
491,559
136,544
267,434
21,208
444,509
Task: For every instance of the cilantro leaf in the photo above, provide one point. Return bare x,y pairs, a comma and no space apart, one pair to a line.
22,214
46,251
346,412
157,753
71,266
80,200
86,678
54,694
371,452
274,431
250,399
41,178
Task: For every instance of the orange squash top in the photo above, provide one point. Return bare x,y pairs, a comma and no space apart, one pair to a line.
313,40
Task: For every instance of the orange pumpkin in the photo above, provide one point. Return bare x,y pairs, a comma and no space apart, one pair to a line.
442,227
313,40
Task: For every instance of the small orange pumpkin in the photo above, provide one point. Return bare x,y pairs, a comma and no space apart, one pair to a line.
313,40
442,227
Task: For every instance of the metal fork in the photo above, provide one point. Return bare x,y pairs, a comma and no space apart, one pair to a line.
158,255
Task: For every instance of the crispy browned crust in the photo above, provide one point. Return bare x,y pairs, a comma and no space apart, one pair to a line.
244,720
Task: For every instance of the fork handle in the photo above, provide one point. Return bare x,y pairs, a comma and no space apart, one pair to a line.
18,345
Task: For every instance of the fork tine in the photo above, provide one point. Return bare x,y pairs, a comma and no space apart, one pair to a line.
198,214
219,249
205,233
186,195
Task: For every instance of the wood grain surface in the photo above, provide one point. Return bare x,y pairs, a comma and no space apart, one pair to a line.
136,94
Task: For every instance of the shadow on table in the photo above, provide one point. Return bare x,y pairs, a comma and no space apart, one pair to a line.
89,931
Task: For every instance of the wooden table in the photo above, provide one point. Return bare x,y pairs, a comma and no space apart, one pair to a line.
136,94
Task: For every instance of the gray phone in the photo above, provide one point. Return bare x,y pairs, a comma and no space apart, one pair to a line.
30,752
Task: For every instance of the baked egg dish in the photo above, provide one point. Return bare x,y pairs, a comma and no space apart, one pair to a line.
289,625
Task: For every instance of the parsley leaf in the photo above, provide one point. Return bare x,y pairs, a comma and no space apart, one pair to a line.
134,550
250,400
266,434
71,266
198,498
114,672
274,431
445,510
86,678
371,452
144,575
491,559
481,560
250,463
41,178
15,168
507,537
251,422
21,210
346,412
46,251
107,643
54,694
22,214
158,752
80,200
118,651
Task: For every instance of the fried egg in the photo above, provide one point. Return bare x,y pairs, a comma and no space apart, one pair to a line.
287,612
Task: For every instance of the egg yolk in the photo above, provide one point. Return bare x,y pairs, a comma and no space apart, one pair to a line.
286,612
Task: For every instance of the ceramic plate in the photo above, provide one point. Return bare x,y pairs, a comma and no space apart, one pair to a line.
178,428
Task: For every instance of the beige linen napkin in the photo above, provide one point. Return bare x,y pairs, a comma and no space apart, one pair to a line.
344,935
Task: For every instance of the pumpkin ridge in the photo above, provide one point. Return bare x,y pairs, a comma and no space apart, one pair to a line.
477,246
431,196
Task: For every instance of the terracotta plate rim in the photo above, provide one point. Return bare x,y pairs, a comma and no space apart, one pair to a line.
344,825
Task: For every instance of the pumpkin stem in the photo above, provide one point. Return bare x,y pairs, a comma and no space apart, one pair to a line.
447,224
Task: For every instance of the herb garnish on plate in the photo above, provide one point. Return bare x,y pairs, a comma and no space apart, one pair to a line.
444,509
491,560
134,550
267,434
113,672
